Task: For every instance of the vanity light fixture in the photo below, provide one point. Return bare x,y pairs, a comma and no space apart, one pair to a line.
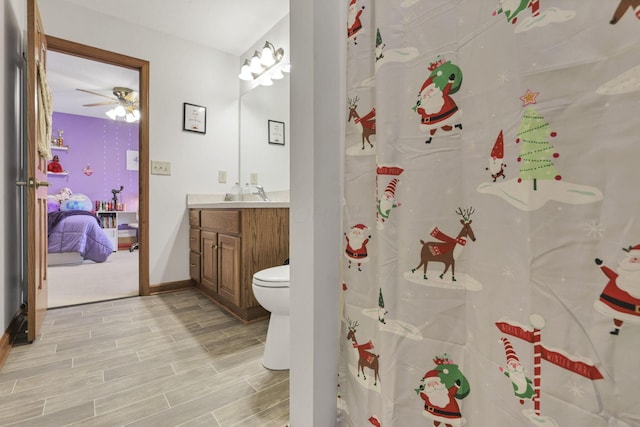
264,66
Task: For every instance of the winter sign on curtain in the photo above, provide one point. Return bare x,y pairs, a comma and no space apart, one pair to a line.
490,267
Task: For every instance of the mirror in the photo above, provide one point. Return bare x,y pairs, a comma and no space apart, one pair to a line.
269,161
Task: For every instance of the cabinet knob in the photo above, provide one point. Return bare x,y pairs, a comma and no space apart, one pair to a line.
214,246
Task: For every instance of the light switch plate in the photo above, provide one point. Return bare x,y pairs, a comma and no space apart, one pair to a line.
160,168
253,178
222,177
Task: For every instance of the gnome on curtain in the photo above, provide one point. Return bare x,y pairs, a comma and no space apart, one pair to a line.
357,245
496,166
436,107
522,386
354,23
381,311
387,202
620,298
440,388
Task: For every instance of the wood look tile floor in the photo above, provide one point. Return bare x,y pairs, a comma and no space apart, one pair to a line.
174,359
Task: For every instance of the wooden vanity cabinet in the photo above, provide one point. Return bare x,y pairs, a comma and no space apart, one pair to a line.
194,245
234,244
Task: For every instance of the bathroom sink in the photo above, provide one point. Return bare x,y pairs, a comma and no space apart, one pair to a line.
211,201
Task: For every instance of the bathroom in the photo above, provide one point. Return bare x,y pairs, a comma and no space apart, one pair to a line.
317,198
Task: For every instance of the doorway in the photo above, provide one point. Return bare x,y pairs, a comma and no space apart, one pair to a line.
142,68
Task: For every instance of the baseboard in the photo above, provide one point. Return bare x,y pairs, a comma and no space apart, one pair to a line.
170,287
9,336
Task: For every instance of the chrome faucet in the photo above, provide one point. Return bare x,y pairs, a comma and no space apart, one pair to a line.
261,193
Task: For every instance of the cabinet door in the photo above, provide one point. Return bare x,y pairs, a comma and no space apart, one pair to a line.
194,266
229,268
209,260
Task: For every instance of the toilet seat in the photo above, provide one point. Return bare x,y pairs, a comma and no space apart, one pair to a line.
274,277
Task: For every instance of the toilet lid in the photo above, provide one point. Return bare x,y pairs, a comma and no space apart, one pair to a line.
274,277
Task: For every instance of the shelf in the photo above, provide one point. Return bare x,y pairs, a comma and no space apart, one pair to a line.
63,148
58,173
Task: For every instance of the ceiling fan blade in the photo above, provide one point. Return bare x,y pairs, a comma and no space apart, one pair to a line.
95,93
99,103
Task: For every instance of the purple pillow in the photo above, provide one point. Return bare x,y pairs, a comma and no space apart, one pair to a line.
53,205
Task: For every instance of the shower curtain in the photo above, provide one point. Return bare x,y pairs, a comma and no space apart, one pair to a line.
491,252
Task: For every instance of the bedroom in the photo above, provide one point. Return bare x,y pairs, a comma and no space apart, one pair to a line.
94,171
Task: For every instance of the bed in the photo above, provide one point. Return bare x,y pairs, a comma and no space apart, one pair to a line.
76,235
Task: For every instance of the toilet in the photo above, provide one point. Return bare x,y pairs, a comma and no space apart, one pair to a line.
271,289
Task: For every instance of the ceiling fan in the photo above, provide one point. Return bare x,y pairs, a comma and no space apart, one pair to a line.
125,101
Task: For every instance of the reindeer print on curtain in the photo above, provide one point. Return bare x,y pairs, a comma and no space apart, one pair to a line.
491,258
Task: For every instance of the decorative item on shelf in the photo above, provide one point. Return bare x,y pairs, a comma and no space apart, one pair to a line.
60,139
115,197
55,166
265,66
87,170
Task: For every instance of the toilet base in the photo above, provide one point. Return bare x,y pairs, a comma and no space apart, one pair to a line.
276,349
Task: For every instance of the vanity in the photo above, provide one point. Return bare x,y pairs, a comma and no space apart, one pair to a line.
229,242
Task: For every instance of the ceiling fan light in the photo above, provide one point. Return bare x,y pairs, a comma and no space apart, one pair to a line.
112,114
120,111
130,118
136,114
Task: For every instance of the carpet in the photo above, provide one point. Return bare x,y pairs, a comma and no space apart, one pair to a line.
87,282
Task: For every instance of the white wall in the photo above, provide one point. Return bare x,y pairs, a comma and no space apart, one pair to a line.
180,72
317,118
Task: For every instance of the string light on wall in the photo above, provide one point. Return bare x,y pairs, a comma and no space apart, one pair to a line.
265,66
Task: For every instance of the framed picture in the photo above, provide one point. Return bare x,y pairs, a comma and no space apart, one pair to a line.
194,118
276,132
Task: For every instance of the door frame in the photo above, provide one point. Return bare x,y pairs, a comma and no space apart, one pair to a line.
92,53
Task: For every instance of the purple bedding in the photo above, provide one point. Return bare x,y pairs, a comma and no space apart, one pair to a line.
71,231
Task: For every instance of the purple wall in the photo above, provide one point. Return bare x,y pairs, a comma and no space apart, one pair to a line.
101,145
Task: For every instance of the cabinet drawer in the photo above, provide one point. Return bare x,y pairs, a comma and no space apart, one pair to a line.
194,240
194,217
225,221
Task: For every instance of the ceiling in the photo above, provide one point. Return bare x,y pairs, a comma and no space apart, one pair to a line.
204,22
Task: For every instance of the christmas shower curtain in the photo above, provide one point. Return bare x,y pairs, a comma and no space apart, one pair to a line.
491,257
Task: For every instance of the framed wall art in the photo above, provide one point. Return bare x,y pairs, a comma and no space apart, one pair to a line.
276,132
194,118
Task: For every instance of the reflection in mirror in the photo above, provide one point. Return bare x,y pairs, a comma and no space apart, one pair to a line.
269,162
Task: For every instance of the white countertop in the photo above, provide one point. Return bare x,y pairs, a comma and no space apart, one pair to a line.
211,201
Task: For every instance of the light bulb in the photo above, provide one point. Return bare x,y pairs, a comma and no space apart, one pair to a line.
256,66
245,71
268,55
112,114
120,111
136,114
277,74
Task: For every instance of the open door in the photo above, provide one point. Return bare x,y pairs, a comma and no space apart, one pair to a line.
37,107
